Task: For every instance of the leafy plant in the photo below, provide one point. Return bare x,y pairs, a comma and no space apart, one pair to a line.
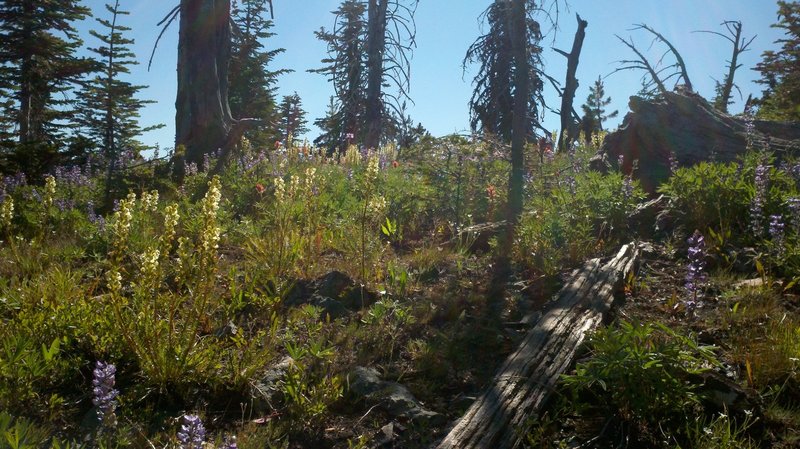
642,372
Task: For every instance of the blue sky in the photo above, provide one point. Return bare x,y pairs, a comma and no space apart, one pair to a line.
445,28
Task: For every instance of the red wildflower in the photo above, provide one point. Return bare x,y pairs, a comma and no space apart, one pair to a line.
260,188
395,164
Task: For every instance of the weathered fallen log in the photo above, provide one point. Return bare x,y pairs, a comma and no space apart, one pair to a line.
528,376
685,125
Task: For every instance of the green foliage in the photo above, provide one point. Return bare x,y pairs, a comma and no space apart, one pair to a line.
779,70
109,109
38,47
642,372
721,433
594,110
251,81
575,221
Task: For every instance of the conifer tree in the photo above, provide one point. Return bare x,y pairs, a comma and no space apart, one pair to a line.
331,128
345,69
38,43
109,109
493,99
251,83
594,110
780,71
369,52
292,118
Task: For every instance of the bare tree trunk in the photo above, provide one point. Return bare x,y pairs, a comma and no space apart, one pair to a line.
569,125
203,119
376,45
520,118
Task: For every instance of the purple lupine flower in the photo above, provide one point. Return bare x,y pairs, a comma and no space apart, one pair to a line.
71,176
757,204
190,168
229,442
192,434
14,181
64,204
103,393
794,209
749,127
777,232
206,162
695,277
93,218
673,163
627,187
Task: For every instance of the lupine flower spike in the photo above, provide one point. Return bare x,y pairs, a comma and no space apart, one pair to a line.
696,275
103,393
192,434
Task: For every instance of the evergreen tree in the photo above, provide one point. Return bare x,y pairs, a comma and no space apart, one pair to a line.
780,71
330,139
594,110
292,119
345,69
493,99
109,109
251,84
37,52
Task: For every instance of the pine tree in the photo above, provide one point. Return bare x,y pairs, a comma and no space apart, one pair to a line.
109,109
594,110
493,99
292,118
37,51
330,124
780,71
251,84
369,51
345,69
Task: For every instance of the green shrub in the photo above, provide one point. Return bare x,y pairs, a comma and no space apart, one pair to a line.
642,372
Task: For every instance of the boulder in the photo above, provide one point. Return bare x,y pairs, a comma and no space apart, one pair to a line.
685,125
331,291
391,397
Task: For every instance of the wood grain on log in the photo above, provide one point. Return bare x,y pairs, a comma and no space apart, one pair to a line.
528,376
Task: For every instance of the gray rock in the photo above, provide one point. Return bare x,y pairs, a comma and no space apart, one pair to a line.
391,397
331,308
333,284
267,390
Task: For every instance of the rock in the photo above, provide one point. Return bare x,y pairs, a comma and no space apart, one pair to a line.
749,283
353,299
333,284
331,308
298,293
267,390
686,125
391,397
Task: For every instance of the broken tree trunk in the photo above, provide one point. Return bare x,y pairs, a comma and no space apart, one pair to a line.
685,126
569,119
528,376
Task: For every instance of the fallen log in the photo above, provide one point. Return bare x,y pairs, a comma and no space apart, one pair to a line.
528,376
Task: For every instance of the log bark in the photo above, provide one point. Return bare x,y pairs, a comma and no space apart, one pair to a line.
685,125
528,376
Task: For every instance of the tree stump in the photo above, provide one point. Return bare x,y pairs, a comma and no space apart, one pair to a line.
528,376
685,126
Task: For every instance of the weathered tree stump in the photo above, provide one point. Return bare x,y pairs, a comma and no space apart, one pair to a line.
686,126
527,377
